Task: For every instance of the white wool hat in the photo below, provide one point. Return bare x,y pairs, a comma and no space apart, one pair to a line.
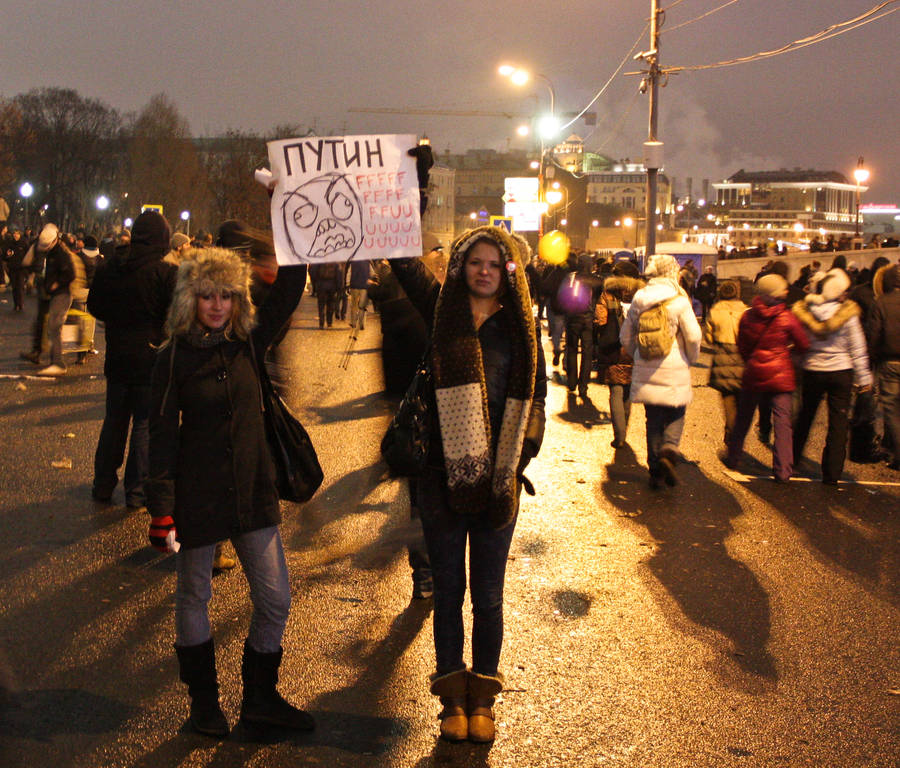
834,285
48,237
662,265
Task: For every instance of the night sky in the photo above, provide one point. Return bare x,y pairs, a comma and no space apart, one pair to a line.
254,65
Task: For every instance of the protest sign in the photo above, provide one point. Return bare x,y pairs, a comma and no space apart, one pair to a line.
343,198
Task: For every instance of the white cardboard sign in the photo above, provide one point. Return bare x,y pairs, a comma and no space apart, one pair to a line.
344,197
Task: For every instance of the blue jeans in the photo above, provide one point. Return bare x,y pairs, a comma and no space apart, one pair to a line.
446,535
556,324
780,405
126,404
262,559
665,424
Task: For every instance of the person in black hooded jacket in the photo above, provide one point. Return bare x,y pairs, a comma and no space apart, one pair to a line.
130,294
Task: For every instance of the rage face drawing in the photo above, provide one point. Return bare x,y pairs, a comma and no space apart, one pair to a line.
323,219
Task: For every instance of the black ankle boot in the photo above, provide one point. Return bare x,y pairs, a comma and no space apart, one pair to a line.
262,704
197,665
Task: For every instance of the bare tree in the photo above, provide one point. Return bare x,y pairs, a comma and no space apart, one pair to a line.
230,161
68,146
163,164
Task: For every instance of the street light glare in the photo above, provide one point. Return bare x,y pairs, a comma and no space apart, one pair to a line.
523,130
861,175
26,190
102,202
520,77
185,215
548,126
506,69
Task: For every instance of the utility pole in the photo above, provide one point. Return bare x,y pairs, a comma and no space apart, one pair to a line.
652,147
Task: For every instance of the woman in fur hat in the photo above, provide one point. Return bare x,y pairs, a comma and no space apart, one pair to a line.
212,477
490,385
837,360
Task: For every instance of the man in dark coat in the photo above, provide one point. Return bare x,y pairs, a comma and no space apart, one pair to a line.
130,294
707,287
883,334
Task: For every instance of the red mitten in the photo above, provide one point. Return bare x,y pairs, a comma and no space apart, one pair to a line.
160,530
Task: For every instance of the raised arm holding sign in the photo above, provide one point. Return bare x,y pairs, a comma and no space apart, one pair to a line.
343,198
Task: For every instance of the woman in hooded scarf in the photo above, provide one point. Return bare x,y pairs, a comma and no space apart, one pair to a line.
490,385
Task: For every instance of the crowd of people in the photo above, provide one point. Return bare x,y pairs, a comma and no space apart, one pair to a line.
189,323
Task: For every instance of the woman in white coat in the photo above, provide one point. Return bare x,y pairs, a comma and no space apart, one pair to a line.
662,383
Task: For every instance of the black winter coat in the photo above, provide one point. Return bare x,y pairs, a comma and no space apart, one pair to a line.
131,293
210,466
59,271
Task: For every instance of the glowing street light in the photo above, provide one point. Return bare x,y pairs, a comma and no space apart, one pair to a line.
26,190
862,176
186,218
523,130
102,203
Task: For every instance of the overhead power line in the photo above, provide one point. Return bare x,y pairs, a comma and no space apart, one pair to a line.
834,30
702,16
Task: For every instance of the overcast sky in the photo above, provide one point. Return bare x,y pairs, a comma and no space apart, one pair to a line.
253,65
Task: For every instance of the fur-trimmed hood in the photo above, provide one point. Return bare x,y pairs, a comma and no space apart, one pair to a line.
211,270
825,319
622,285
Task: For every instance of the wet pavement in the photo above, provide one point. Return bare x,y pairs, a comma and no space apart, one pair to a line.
729,621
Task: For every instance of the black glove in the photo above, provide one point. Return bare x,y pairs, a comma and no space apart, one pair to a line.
424,160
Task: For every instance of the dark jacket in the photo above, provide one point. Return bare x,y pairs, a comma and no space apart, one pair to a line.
765,338
883,330
423,290
726,369
210,466
59,271
131,294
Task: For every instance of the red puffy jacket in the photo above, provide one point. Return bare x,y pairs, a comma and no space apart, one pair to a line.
766,334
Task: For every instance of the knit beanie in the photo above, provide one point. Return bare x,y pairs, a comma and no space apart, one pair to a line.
626,268
150,228
772,285
90,247
178,240
48,237
663,265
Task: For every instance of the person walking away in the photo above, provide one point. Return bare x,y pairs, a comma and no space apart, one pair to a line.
130,294
553,275
835,361
490,387
609,315
662,335
54,299
360,271
576,297
707,286
327,281
15,254
212,476
768,333
721,333
883,333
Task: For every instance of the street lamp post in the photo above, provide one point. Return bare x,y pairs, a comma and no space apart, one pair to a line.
186,218
861,175
26,190
547,126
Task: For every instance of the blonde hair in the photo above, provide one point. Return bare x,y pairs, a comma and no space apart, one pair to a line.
211,270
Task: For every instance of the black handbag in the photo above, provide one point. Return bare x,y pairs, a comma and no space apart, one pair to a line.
404,446
298,474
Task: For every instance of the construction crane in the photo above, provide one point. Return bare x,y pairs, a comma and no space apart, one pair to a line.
590,118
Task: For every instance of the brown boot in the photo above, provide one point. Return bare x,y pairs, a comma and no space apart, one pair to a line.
221,561
481,691
451,689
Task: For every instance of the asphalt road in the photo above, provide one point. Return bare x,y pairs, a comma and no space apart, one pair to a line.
729,621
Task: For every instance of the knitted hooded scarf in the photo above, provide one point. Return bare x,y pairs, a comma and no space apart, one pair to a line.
480,484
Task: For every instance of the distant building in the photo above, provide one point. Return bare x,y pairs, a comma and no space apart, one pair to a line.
624,186
440,215
796,205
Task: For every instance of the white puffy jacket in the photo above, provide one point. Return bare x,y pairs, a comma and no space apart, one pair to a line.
665,380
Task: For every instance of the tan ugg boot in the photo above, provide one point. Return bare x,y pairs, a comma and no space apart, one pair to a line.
481,691
451,689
